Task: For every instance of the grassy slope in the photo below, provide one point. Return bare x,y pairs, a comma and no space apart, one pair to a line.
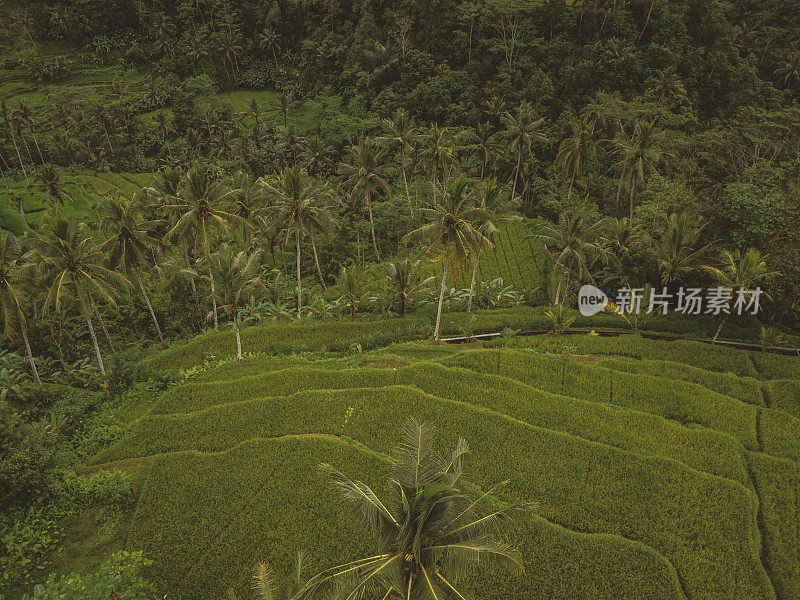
626,487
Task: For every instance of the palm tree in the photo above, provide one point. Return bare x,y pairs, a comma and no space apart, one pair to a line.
450,224
789,69
486,142
297,207
493,206
363,177
521,131
197,213
316,155
70,261
129,246
236,276
619,237
11,301
576,151
679,251
10,125
269,39
665,83
741,273
400,134
437,152
49,177
638,155
351,285
430,534
404,281
284,104
573,244
247,196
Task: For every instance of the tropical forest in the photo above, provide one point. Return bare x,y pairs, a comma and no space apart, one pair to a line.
412,300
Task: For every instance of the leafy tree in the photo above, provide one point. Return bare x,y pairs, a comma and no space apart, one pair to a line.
71,264
680,251
129,246
521,131
573,244
197,213
362,175
431,533
638,155
297,208
741,272
451,224
405,281
400,134
493,206
12,304
236,280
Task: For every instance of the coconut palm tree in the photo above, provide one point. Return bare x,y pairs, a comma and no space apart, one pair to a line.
638,156
197,213
573,244
70,263
247,197
270,41
431,532
451,226
12,304
740,272
680,250
351,285
521,131
486,142
576,151
284,104
437,153
129,246
493,206
362,175
316,155
236,280
789,70
49,177
400,134
10,125
297,207
405,281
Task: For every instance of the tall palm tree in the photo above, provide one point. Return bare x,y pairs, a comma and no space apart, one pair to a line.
362,175
521,131
680,250
740,272
576,151
129,246
451,226
400,134
12,305
70,262
405,281
638,155
493,206
297,207
49,177
237,279
437,152
431,532
284,104
197,213
573,244
789,70
10,126
316,155
247,197
486,142
270,41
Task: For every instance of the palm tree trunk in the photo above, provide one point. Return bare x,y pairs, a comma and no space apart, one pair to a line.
558,289
472,283
299,283
516,175
238,335
149,306
27,343
88,318
316,262
405,182
441,291
19,156
105,330
719,329
633,188
213,297
372,228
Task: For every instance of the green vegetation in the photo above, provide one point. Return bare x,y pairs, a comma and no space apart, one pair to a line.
233,234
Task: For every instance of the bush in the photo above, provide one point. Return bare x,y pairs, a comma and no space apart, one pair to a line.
119,577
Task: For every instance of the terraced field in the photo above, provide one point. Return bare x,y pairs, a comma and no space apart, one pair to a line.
673,476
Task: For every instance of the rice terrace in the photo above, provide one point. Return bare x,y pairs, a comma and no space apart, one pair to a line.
472,299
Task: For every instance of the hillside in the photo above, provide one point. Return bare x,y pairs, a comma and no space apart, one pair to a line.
662,469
